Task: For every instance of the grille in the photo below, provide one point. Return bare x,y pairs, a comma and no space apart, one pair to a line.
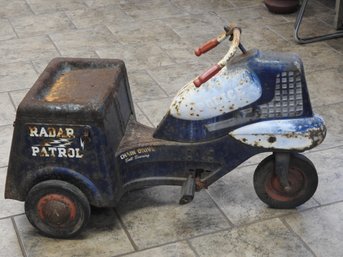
288,98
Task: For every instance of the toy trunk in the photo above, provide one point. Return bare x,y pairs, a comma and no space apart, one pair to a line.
69,126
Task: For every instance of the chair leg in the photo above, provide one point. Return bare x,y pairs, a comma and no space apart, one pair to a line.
307,40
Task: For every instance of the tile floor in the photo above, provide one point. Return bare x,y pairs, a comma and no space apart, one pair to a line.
156,39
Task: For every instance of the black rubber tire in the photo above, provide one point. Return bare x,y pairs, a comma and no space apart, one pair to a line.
57,209
302,177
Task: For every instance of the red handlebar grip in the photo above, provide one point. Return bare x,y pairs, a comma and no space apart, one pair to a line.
206,47
206,75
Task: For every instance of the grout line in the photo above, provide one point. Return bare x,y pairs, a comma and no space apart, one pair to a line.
279,34
319,204
20,241
30,7
6,125
192,248
12,216
135,247
151,124
53,43
70,20
154,79
220,209
284,222
11,24
34,68
12,101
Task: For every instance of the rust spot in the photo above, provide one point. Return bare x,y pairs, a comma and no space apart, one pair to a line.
272,139
199,184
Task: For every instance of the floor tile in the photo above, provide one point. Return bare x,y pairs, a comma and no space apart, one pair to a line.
244,3
202,6
329,166
137,56
143,11
8,207
153,216
24,50
321,229
316,57
155,110
7,111
334,124
337,44
5,144
14,8
17,96
235,195
33,25
268,238
257,15
140,116
6,30
86,18
48,6
171,250
103,237
173,77
325,87
309,27
14,76
146,31
143,87
9,244
86,39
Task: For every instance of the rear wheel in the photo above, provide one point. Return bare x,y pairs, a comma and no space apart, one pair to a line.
302,178
57,208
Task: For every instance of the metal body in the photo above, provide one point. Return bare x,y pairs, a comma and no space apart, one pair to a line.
77,124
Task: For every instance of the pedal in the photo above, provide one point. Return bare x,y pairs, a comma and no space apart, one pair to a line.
187,190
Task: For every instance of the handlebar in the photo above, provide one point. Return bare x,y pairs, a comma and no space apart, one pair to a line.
232,31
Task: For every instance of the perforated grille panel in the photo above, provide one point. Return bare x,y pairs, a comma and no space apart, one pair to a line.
288,98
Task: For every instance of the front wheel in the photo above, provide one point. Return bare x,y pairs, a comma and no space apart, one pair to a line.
57,209
302,178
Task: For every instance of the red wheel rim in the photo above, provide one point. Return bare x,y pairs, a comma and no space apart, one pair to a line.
296,180
56,209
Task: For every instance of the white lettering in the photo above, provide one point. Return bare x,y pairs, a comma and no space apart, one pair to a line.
71,152
35,150
33,131
78,155
62,152
69,132
43,133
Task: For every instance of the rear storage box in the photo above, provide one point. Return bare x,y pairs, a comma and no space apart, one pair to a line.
69,126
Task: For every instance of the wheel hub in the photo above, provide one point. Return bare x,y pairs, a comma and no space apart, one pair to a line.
296,182
56,209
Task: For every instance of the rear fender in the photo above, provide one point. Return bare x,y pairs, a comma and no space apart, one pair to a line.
83,183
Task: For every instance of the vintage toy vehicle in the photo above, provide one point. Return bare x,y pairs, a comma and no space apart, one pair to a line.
77,142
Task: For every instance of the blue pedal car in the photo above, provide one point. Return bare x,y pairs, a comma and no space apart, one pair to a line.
77,142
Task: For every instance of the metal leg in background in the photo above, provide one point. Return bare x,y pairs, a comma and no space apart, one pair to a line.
310,39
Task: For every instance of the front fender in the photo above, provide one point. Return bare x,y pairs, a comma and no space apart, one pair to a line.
284,134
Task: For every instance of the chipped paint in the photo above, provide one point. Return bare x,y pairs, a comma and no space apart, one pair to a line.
229,90
290,134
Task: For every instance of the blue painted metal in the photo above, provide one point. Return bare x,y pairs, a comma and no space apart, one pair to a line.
266,66
116,153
